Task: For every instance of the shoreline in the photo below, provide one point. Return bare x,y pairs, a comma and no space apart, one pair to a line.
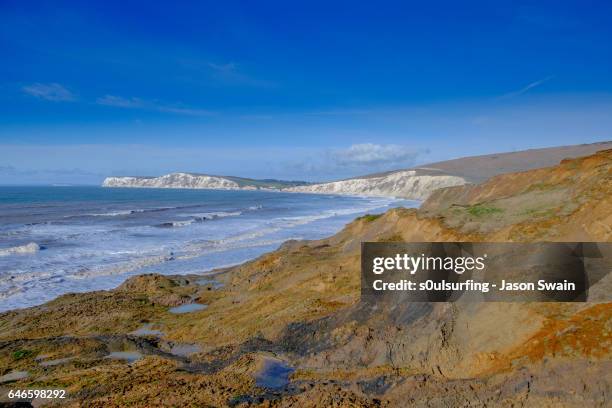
296,311
309,193
179,261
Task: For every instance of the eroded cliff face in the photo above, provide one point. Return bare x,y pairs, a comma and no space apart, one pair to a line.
174,180
405,184
301,304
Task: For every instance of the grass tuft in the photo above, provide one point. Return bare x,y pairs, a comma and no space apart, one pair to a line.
480,210
369,217
19,354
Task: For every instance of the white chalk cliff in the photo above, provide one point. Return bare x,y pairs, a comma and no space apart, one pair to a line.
405,184
416,184
174,180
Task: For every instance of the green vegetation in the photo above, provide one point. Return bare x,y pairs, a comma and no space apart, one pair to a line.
265,183
369,217
19,354
541,187
480,210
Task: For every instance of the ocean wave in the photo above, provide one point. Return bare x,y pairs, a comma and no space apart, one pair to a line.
214,215
124,212
115,213
99,251
122,267
210,247
149,260
30,248
247,236
14,290
307,219
201,217
119,213
282,223
18,277
174,224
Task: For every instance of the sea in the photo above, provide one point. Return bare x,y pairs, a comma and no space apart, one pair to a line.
57,240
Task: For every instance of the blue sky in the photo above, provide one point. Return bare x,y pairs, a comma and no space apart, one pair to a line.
294,90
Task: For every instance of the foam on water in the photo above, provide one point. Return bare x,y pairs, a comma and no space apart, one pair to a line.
30,248
95,238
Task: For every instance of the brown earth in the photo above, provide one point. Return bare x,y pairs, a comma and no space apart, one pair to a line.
300,304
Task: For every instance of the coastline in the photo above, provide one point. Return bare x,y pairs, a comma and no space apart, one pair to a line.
313,205
298,307
408,185
211,240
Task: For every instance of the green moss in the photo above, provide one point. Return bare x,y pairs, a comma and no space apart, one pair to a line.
19,354
369,217
480,210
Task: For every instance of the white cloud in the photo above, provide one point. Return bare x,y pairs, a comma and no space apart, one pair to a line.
526,88
137,103
370,154
355,160
50,92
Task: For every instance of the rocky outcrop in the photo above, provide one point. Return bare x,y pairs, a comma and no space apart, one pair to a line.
409,184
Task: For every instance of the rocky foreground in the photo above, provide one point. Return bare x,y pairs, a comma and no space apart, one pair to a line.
287,329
